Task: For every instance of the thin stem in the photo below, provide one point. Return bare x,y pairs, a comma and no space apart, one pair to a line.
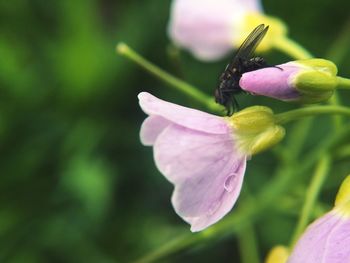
296,140
247,240
343,83
337,53
340,47
337,120
312,193
288,116
342,152
291,48
248,245
169,247
174,82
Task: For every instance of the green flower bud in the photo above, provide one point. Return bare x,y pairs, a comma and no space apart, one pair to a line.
278,254
317,81
252,119
342,201
256,129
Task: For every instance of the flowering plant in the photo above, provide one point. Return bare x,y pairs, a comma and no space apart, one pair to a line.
204,155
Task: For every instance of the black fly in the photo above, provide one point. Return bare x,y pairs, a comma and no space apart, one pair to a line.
242,62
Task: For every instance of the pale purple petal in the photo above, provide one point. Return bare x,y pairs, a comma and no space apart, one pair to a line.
251,5
207,172
214,198
151,128
275,82
187,117
325,240
338,250
207,28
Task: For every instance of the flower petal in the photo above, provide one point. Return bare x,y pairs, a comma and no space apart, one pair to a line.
325,240
214,197
151,128
272,82
190,118
338,250
207,28
204,27
206,170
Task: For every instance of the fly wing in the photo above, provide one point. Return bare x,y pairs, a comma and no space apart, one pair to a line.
249,45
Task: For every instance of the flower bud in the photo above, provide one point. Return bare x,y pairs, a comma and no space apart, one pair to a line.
305,81
265,140
256,129
252,119
278,254
342,201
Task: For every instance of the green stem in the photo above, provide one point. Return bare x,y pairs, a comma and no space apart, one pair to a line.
340,46
312,193
248,245
174,82
296,139
343,83
247,240
288,116
291,48
337,53
337,120
342,152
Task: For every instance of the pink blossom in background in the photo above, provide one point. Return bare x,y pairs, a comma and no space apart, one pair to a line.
197,153
325,240
209,29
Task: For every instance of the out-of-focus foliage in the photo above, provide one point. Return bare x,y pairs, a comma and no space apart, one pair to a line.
76,185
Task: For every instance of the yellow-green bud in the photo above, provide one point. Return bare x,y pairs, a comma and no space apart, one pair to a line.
317,81
278,254
342,201
256,129
267,139
252,119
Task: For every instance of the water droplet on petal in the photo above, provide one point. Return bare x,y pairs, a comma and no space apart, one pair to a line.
230,182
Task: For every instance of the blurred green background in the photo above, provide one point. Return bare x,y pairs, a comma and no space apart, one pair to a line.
76,185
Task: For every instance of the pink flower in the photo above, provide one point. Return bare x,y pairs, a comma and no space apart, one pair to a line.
210,29
307,81
198,153
328,238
